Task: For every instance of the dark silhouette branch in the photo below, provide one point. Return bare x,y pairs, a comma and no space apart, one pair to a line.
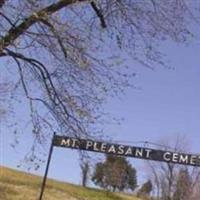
54,96
56,36
99,14
2,2
7,19
15,32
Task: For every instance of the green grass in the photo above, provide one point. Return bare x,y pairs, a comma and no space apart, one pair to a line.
15,185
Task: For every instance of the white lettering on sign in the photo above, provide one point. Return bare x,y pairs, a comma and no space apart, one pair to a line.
148,151
103,147
181,158
184,158
139,152
125,150
112,149
75,143
121,150
175,157
65,142
193,159
95,147
129,151
166,156
89,144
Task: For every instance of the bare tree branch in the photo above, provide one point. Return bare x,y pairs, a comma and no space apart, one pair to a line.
67,63
15,32
99,14
2,2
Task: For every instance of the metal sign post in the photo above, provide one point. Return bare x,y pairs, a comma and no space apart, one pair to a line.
120,150
47,168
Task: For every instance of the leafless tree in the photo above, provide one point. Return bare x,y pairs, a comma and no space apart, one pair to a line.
65,54
85,169
85,166
165,176
195,194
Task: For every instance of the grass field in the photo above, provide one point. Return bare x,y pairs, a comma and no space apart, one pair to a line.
15,185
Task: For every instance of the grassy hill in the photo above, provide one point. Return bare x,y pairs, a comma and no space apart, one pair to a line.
15,185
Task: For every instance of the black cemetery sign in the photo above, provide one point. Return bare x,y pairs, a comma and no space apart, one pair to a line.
121,150
130,151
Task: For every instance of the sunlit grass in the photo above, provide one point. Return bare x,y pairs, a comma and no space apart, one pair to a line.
16,185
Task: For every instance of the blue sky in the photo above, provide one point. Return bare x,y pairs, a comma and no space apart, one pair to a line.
166,105
168,102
